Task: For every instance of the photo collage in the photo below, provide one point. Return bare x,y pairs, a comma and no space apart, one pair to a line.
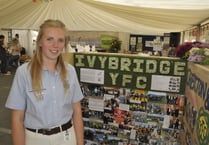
131,117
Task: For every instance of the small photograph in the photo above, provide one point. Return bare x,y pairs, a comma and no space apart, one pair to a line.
137,101
112,128
173,99
173,110
140,116
159,97
155,108
115,140
92,89
124,133
96,115
110,101
112,91
175,123
86,89
155,119
108,117
119,115
97,125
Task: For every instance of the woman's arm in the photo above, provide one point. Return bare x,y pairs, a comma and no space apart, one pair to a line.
78,123
18,130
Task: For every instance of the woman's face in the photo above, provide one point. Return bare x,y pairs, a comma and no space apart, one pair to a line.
52,43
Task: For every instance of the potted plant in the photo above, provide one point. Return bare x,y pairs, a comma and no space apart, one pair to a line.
115,46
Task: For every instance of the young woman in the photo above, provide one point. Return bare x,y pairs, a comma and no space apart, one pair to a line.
45,95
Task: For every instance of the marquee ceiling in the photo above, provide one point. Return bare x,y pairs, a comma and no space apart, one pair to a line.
133,16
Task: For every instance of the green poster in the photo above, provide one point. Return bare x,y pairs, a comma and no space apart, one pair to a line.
106,41
132,71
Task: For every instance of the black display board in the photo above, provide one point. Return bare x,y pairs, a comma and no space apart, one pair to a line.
139,43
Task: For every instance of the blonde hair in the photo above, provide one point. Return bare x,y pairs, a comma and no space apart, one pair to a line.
36,63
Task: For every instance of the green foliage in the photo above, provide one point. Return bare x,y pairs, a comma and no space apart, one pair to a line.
115,46
205,61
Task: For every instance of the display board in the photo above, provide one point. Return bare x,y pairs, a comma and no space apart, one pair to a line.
129,99
197,106
132,71
139,43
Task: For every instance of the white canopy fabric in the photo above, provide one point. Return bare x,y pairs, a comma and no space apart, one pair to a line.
133,16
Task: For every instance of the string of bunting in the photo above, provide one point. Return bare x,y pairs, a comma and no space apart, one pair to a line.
41,1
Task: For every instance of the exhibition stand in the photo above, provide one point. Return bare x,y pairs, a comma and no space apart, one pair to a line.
130,98
136,99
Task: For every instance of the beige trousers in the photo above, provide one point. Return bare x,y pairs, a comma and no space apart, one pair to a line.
63,138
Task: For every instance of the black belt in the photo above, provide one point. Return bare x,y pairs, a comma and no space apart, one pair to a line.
52,130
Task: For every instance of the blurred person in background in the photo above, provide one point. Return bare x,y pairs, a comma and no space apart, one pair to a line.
3,57
14,53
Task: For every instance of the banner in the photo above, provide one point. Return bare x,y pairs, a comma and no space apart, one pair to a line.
197,107
132,71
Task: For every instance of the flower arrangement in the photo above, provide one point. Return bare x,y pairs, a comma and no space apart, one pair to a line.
194,51
200,55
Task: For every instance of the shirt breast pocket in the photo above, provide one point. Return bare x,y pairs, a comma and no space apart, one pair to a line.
36,98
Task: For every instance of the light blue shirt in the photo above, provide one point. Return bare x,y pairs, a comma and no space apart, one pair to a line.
51,107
